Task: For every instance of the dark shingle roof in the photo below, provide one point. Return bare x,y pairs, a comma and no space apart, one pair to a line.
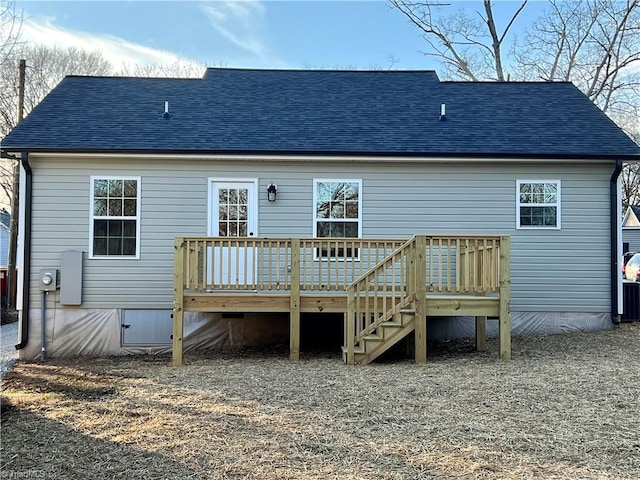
319,111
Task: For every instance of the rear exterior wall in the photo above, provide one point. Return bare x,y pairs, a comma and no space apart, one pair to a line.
565,270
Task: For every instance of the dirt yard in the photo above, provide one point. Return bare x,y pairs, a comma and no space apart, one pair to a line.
565,407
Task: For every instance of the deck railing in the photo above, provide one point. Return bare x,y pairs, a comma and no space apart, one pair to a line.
267,264
454,264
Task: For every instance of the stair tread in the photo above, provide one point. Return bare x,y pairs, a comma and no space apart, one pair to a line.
373,336
392,324
359,350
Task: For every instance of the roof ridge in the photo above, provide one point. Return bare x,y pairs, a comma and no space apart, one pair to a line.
320,70
128,77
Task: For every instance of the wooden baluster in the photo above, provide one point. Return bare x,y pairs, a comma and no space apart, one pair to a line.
440,264
200,264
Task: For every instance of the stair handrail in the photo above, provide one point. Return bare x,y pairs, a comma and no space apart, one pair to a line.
352,338
381,262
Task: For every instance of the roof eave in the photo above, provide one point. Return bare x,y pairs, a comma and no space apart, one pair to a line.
9,151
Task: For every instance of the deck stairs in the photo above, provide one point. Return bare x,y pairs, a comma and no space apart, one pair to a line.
381,307
384,337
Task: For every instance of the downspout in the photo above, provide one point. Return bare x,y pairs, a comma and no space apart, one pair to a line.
615,258
26,260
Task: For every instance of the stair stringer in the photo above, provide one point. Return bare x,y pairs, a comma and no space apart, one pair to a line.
374,345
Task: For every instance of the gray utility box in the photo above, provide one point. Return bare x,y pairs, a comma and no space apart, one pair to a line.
71,278
48,279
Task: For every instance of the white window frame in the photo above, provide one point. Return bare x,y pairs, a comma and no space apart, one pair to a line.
316,219
92,217
557,205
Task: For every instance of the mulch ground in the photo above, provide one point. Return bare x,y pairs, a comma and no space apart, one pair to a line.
566,407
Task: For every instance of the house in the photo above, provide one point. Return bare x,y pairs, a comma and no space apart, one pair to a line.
631,229
247,199
5,218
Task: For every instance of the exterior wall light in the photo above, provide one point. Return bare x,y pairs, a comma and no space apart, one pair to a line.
272,192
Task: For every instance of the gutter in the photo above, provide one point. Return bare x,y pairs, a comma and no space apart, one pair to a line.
615,258
26,260
385,155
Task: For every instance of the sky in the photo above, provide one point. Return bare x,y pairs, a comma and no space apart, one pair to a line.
295,34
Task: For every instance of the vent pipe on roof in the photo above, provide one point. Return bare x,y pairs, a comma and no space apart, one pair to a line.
166,110
443,113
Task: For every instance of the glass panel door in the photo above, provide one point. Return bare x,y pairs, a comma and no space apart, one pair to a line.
233,214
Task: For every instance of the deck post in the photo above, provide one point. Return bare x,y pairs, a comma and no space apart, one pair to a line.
349,323
420,286
294,312
505,297
481,333
178,301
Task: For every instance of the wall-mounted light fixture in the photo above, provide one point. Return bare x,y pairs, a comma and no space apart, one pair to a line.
272,192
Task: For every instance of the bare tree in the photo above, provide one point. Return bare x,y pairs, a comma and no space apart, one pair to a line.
10,24
177,69
631,177
46,67
630,183
470,46
593,43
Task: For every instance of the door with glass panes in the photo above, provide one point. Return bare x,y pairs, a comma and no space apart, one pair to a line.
233,206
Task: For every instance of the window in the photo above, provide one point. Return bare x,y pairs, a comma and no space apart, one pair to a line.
233,212
115,217
538,204
337,212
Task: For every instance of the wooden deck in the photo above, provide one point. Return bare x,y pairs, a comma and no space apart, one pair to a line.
386,288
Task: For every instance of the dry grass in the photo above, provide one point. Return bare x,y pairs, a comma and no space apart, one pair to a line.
566,407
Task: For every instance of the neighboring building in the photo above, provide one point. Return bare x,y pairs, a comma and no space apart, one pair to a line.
117,168
631,229
5,219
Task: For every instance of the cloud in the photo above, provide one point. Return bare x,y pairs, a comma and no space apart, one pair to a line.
240,22
120,52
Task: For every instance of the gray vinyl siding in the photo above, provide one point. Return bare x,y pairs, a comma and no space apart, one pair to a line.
632,236
552,270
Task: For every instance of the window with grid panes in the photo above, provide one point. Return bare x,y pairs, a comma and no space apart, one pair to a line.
538,204
337,207
115,217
